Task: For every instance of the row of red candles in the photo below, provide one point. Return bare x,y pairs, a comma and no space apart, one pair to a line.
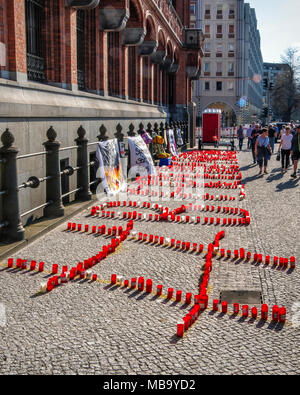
278,314
158,207
192,316
187,219
81,267
196,184
283,262
147,285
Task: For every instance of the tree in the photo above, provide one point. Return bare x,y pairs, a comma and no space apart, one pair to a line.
286,94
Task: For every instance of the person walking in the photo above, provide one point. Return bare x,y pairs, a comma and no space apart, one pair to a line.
272,135
286,146
240,135
296,150
263,150
254,135
248,134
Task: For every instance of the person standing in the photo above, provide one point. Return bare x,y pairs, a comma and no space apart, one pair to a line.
263,150
272,135
286,146
296,150
254,135
249,131
240,135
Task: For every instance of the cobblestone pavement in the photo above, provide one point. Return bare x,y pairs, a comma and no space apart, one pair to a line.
88,327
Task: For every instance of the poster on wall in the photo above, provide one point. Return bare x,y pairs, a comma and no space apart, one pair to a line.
172,142
140,155
110,169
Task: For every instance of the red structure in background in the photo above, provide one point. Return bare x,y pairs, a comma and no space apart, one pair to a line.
211,126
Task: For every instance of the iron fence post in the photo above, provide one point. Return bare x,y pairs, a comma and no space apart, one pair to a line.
10,203
83,179
53,184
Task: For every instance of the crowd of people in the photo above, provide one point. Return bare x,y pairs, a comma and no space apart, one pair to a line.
261,141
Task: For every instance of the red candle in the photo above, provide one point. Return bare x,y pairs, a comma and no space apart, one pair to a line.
159,290
133,282
248,255
224,307
79,227
32,265
224,221
74,226
275,313
54,268
222,252
229,253
69,226
140,236
186,320
180,329
151,237
94,277
141,283
188,298
162,240
178,296
10,262
49,285
201,247
264,312
245,310
170,293
156,239
113,279
236,253
282,315
292,262
215,305
236,308
275,260
198,220
254,312
126,283
86,228
149,286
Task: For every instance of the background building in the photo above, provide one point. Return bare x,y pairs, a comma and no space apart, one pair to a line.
66,63
232,65
271,72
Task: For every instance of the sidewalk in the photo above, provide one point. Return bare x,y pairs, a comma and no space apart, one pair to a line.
88,327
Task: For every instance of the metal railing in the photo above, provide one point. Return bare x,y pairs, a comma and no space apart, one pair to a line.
11,225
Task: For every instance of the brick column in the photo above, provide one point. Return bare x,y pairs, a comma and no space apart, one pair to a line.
71,48
17,40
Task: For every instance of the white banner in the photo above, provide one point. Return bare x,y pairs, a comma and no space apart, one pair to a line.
110,169
172,142
140,155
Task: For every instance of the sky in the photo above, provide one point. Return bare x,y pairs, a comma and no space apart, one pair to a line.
278,23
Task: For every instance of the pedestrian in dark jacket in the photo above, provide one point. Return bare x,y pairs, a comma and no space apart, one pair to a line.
240,135
296,150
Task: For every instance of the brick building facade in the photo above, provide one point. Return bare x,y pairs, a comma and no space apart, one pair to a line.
66,63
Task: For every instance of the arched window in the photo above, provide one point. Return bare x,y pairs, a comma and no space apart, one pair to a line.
35,19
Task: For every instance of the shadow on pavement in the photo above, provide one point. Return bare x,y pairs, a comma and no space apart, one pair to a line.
290,184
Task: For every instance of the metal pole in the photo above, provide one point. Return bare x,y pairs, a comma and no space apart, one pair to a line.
10,201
